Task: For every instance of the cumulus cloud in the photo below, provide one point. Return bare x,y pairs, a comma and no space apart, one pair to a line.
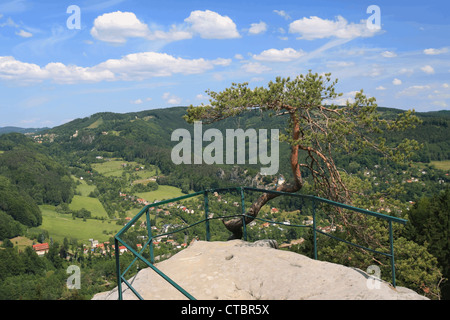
388,54
255,67
211,25
171,99
137,101
257,28
317,28
12,69
396,82
287,54
136,66
427,69
433,51
117,27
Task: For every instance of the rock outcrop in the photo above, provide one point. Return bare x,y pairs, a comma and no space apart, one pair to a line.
239,270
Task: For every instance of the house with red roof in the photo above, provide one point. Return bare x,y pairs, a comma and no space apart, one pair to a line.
41,248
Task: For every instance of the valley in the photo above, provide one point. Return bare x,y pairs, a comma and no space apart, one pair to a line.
78,184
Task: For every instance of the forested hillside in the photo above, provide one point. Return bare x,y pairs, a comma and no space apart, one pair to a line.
88,175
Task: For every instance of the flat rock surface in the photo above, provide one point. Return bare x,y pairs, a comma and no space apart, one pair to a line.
239,270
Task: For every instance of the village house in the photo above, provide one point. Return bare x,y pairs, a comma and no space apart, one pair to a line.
122,249
94,243
41,248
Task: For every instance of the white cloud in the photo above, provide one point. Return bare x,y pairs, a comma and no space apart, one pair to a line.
413,90
238,56
340,64
221,62
12,69
116,27
287,54
136,66
407,71
24,34
380,88
427,69
211,25
388,54
317,28
342,100
445,85
201,97
432,51
138,101
396,82
61,73
255,67
282,13
174,34
171,99
258,28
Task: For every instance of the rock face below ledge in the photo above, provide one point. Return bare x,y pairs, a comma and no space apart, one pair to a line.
239,270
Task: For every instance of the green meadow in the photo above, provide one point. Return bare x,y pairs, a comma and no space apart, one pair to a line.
84,188
109,168
163,192
62,226
91,204
442,165
115,168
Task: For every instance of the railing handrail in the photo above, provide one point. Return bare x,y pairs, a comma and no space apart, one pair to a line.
146,209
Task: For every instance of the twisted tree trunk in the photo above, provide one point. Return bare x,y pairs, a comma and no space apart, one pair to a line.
235,225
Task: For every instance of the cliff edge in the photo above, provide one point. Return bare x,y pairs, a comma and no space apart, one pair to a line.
239,270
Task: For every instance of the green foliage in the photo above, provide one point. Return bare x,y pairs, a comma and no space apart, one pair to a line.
144,137
18,205
10,228
36,174
429,226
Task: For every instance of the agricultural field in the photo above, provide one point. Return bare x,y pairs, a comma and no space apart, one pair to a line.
84,188
442,165
109,168
115,168
60,226
91,204
163,192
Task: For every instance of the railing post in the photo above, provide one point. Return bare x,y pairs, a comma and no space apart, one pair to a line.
314,228
244,227
208,236
391,243
150,237
119,277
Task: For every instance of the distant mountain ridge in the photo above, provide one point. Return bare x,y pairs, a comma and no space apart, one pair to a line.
154,127
9,129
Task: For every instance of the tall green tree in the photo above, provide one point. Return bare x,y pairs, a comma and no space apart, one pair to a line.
315,131
429,225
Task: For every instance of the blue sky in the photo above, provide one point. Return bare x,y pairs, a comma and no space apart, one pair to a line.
133,55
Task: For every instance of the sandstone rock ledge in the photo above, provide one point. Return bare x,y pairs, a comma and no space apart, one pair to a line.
239,270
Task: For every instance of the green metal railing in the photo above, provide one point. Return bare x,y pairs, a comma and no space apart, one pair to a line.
149,243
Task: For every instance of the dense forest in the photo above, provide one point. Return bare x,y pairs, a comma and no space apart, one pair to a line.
38,168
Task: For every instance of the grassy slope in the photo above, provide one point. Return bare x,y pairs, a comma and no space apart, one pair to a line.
60,226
